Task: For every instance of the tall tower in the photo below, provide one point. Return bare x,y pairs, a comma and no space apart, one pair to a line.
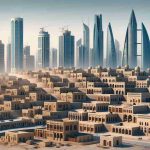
130,46
79,54
145,48
86,45
2,64
8,58
16,44
111,51
43,49
66,50
98,41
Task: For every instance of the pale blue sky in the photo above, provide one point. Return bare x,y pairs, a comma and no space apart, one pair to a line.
57,13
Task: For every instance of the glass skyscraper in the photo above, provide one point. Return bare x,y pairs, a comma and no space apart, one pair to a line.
86,45
111,59
16,44
130,45
43,49
98,41
66,50
145,48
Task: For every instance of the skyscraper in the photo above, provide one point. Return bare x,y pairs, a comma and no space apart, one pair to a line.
2,64
53,57
16,44
130,46
86,45
98,41
26,57
118,53
66,50
111,51
8,58
79,54
43,49
145,48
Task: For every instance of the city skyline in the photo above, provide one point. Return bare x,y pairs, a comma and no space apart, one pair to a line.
34,18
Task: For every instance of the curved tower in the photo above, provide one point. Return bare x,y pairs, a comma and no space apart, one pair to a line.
111,51
98,41
130,46
145,49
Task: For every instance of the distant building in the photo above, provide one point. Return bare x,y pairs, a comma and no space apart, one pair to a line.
91,57
66,50
16,44
26,57
86,45
130,45
2,64
79,54
118,53
43,49
111,51
31,62
98,41
53,57
8,58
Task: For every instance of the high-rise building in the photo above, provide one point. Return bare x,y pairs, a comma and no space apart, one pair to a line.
86,45
16,44
53,57
26,57
8,58
118,53
43,49
66,50
79,54
145,48
98,41
111,51
130,45
2,64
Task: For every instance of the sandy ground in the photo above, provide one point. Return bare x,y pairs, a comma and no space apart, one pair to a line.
73,147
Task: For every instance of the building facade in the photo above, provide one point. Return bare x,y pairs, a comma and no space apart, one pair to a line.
16,44
2,64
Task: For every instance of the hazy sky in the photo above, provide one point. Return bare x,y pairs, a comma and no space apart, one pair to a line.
58,13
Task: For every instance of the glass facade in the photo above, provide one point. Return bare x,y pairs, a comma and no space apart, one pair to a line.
16,44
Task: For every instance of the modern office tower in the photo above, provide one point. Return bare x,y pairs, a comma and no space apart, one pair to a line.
86,45
98,41
43,49
2,64
26,57
111,51
118,53
91,58
8,58
53,57
79,54
145,48
130,45
16,44
66,50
